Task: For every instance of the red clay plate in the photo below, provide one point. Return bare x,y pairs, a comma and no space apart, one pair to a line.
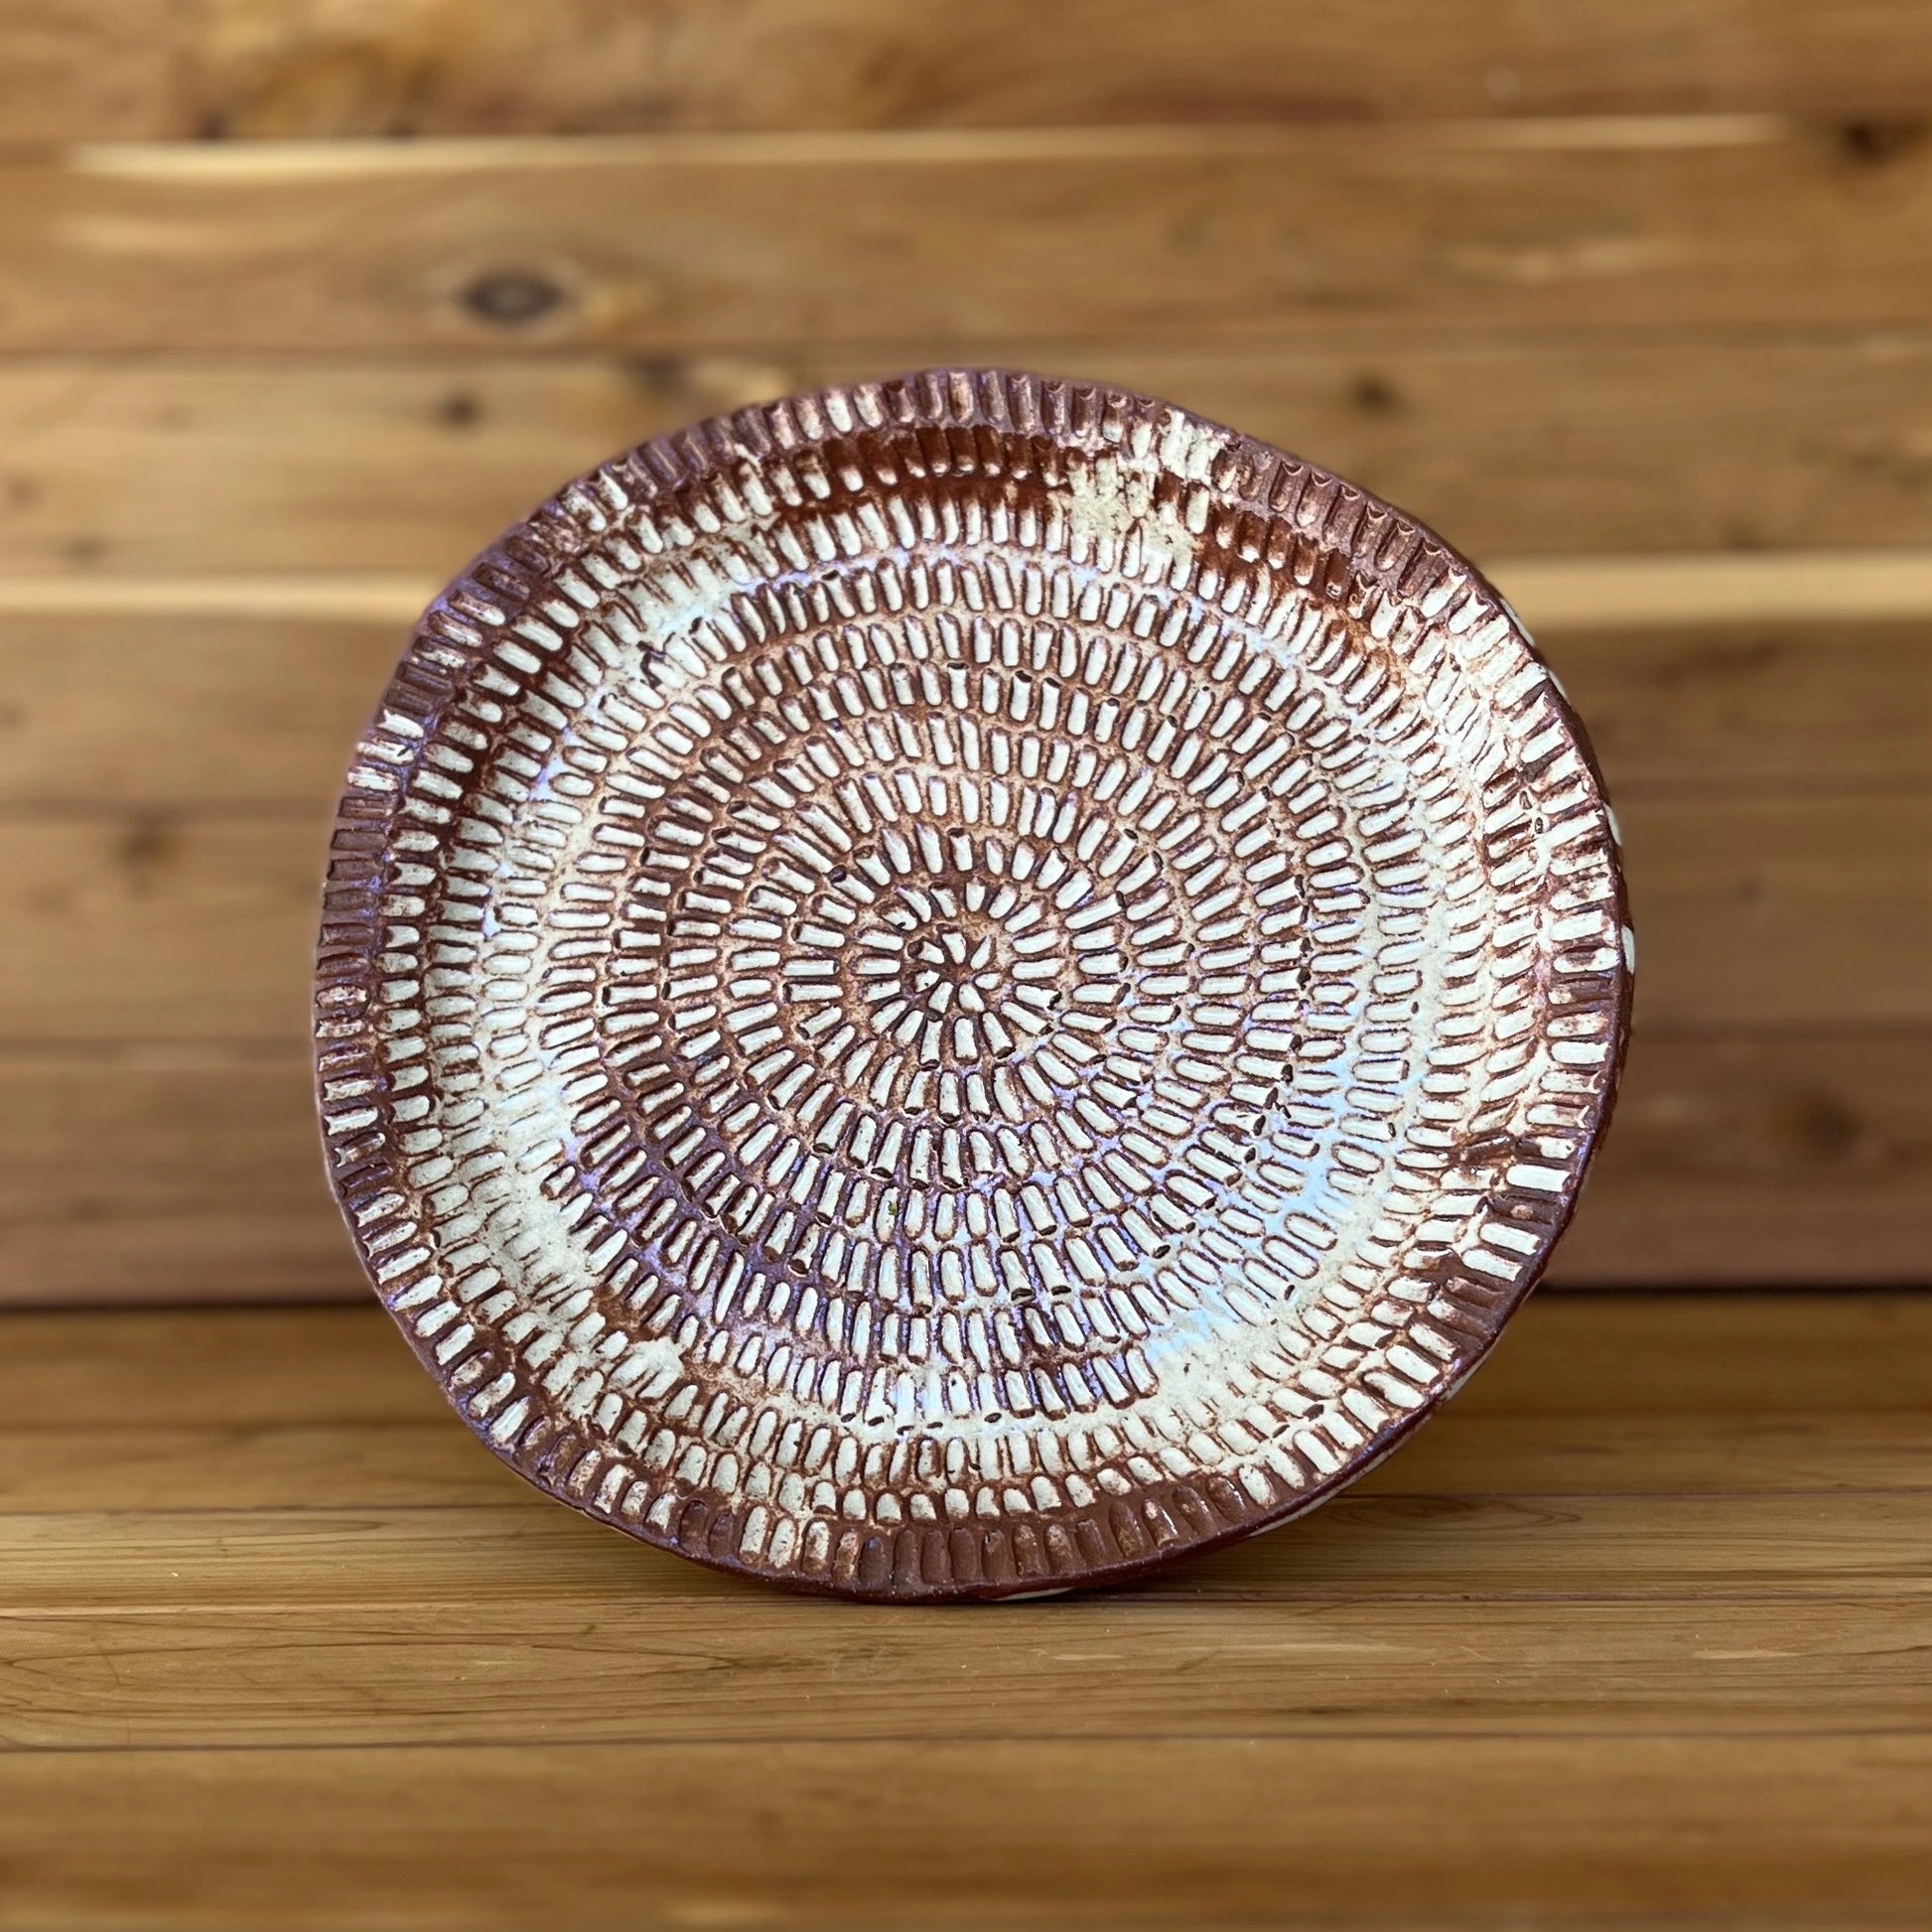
963,986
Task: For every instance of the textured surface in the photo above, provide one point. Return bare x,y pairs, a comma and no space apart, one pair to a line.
955,986
1574,343
95,69
1209,236
1633,1636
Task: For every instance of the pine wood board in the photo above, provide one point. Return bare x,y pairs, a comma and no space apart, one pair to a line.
1760,1157
1736,1156
1520,444
709,243
1580,592
1839,1546
1380,1831
263,711
639,1672
97,69
1570,1356
166,1176
1770,910
431,1460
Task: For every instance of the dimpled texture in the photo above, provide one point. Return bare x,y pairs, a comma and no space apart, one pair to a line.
957,987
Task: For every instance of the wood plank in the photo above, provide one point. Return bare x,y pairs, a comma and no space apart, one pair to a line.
258,713
1753,1159
1792,704
1785,910
1377,1830
644,1673
241,1369
1511,444
1703,588
417,1464
142,927
1865,1354
1678,588
699,244
85,70
434,1461
1770,910
1750,1159
166,1176
263,711
1838,1547
1664,1354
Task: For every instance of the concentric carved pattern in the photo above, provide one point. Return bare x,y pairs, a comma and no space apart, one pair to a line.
959,986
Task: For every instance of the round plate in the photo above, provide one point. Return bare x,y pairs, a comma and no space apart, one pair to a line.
961,986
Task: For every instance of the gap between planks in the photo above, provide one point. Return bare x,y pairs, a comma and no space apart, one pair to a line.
338,158
1563,593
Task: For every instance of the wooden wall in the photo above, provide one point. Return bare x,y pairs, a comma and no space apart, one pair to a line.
301,303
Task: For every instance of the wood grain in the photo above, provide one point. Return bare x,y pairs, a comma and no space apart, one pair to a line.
486,1673
1522,444
345,1369
142,927
423,1462
1737,1158
165,1174
702,243
1392,1549
1381,1830
161,926
1781,910
263,711
1752,1159
91,69
1631,1633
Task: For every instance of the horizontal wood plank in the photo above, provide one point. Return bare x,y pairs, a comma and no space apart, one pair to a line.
1377,1830
146,926
1783,909
1752,1158
486,1674
1867,1354
1510,444
264,711
700,243
433,1461
1841,1545
165,1176
1735,1158
1774,910
1675,588
1803,704
95,69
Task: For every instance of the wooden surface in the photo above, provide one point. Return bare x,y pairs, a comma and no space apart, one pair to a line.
1628,297
1635,1633
687,243
485,66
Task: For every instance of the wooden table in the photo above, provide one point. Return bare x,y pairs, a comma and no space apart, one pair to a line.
1637,1633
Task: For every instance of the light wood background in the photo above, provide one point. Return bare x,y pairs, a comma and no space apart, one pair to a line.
301,303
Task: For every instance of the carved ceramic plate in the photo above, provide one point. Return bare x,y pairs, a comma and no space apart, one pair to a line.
958,987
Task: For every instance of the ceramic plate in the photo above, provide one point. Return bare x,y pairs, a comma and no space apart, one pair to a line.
962,986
